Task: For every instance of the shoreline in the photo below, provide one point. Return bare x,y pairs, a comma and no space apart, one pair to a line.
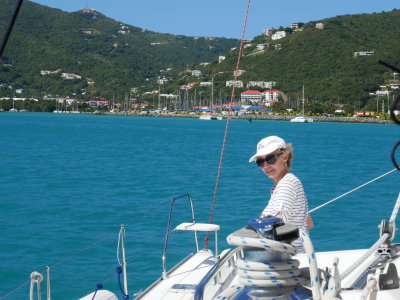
258,118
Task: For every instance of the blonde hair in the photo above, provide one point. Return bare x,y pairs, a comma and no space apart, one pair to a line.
289,151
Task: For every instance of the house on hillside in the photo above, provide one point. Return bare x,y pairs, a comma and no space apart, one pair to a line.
363,53
230,83
71,76
250,96
196,73
267,32
270,95
278,35
162,81
297,25
262,47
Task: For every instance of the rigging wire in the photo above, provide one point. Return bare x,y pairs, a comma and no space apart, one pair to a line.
10,27
341,196
88,246
227,122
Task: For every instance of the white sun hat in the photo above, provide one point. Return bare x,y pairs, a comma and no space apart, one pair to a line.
268,145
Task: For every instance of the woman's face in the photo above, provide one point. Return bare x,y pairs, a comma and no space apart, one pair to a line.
273,165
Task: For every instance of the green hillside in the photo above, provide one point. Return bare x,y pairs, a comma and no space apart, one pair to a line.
115,56
321,60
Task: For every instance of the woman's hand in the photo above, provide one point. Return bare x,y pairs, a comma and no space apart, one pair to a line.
310,223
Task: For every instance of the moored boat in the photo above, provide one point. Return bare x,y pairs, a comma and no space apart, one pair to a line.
301,119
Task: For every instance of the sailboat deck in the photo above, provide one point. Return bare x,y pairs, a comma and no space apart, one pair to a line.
182,281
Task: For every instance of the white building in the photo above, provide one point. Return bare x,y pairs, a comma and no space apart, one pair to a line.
251,96
261,84
70,76
196,73
262,47
363,53
270,84
205,83
267,32
382,93
221,58
48,72
278,35
162,80
230,83
271,95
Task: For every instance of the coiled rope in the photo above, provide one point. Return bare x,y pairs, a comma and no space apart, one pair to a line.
284,274
227,121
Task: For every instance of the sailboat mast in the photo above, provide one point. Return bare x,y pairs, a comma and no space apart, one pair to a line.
212,93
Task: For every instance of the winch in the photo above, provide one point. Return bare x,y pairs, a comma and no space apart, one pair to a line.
266,268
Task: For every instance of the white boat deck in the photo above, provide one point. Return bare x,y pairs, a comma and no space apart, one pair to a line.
181,282
346,259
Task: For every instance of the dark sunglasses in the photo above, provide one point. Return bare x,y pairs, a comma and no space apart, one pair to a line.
269,159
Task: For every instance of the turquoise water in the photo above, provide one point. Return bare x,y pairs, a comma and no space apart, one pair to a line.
69,181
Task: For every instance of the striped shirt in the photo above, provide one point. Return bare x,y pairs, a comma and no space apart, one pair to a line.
289,199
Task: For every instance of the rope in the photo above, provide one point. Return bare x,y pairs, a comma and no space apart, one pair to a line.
369,287
314,277
227,122
99,286
119,271
36,278
357,188
284,274
395,210
120,236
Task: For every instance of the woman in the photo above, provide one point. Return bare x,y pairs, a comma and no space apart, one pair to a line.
288,200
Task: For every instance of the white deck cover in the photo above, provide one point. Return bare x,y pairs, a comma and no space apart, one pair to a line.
197,227
101,295
181,283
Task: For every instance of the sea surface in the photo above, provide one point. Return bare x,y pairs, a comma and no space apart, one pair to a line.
69,181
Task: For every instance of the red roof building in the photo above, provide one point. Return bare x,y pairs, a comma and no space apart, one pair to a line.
251,96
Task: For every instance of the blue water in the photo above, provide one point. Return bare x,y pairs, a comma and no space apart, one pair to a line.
69,181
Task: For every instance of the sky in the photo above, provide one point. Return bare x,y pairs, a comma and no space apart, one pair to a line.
220,18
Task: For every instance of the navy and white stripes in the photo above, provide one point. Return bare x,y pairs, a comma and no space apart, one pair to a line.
288,199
